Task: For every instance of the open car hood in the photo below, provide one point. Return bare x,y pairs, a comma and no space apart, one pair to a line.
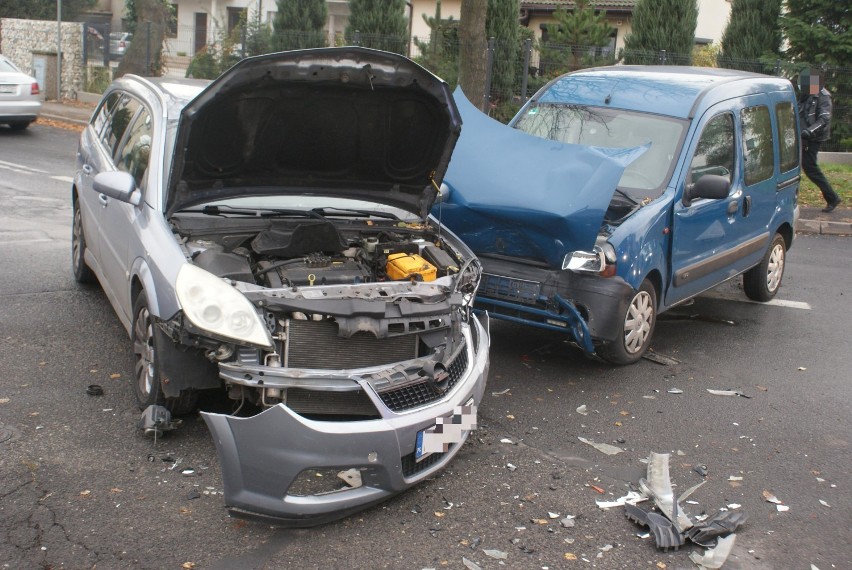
518,195
340,122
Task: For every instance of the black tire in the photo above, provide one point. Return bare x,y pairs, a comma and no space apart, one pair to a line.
147,380
82,272
762,281
19,126
637,328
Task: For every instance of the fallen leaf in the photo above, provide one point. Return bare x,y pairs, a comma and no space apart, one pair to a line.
115,490
85,493
762,388
569,556
538,521
771,498
661,565
597,489
618,424
510,417
439,514
188,565
115,376
184,511
624,413
4,400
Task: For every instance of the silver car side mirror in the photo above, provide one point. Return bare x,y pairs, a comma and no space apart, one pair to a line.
119,185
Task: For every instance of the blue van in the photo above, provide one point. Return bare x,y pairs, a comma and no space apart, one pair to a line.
641,188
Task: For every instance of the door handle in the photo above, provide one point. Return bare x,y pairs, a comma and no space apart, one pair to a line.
733,206
102,198
746,206
87,169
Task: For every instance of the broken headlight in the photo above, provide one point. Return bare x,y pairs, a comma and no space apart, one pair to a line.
468,279
601,260
214,306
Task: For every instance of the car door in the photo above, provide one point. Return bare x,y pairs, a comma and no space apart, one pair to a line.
119,227
714,240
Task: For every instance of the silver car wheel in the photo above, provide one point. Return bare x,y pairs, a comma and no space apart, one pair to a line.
143,348
775,268
638,322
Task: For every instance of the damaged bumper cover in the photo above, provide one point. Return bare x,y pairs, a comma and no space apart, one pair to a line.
263,456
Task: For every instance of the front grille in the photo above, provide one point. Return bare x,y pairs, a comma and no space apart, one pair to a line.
509,289
316,345
411,467
354,404
403,396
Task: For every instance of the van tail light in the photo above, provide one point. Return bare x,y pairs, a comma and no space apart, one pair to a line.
121,44
34,88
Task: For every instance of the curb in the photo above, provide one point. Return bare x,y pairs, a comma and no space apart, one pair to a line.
64,119
824,228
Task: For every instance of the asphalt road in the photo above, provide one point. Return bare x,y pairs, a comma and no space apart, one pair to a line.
80,487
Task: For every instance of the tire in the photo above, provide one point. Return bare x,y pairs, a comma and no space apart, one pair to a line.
82,272
19,126
147,380
637,327
762,281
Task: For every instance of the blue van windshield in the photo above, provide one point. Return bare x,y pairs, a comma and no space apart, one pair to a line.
613,128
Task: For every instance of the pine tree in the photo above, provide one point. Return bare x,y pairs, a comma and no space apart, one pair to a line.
752,32
501,23
380,24
819,31
662,25
440,54
300,24
573,35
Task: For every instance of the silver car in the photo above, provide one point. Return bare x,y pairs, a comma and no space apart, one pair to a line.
119,42
268,236
19,96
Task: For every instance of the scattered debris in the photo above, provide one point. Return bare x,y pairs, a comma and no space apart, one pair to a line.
658,486
674,391
715,557
552,515
498,554
602,447
188,472
660,358
665,535
583,410
802,368
727,393
511,467
470,565
351,477
771,498
94,390
569,556
507,440
630,498
157,420
568,522
501,392
720,524
193,494
782,508
734,505
824,504
596,489
701,470
734,478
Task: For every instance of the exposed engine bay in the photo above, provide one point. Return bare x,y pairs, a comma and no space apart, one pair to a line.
345,300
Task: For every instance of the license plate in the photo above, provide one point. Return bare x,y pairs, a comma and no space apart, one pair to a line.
7,88
446,431
510,289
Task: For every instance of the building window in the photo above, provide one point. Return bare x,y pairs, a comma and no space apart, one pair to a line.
235,15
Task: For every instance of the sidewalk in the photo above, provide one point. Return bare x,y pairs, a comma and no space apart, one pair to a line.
811,219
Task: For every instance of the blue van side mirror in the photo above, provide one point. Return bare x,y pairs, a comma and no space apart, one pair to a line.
710,186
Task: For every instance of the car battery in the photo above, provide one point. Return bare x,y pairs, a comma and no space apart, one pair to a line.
410,266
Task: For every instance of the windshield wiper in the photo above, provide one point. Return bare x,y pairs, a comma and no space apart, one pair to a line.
630,198
350,211
255,212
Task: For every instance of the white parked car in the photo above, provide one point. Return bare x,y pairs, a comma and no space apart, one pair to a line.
19,96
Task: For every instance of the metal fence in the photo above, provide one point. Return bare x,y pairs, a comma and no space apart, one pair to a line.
514,71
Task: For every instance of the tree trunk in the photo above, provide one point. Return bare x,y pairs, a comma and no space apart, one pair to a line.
145,54
472,51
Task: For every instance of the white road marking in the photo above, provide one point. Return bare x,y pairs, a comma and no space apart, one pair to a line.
63,178
788,304
739,297
14,166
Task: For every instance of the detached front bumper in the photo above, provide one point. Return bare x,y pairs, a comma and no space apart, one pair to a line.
262,456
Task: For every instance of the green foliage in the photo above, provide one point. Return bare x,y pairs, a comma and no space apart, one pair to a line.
819,31
97,79
379,24
300,24
130,16
43,9
706,55
214,59
753,32
501,23
661,25
440,54
572,39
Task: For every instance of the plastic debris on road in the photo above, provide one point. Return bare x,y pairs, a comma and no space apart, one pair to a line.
583,410
501,392
714,557
727,393
498,554
770,498
602,447
470,564
674,391
630,498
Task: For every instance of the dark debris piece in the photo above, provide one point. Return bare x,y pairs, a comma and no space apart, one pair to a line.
94,390
665,535
701,470
721,524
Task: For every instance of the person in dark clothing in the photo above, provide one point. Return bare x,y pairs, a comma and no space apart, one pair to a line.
815,122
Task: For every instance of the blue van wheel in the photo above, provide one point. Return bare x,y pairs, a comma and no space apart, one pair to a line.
637,327
762,281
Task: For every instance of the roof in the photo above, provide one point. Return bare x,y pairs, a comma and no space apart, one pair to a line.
544,5
667,90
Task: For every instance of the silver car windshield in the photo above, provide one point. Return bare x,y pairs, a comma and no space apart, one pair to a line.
613,128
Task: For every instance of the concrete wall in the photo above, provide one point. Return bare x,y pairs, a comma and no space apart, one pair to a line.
20,38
